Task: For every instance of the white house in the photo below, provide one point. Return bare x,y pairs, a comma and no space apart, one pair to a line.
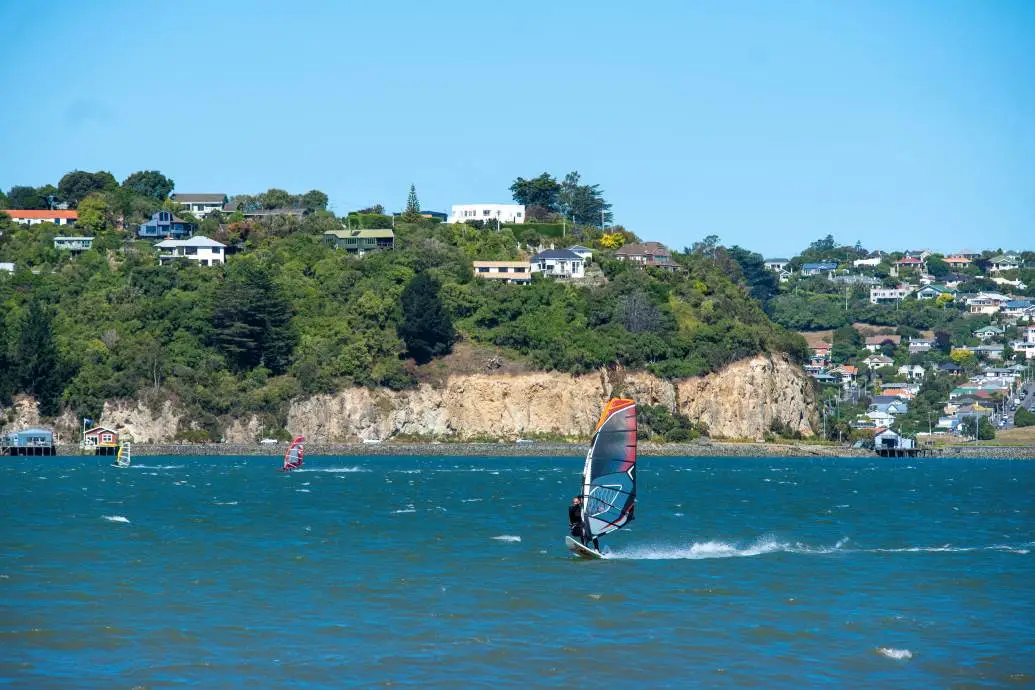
559,263
512,272
987,303
198,248
1004,262
585,252
886,295
37,217
504,213
7,266
913,372
777,265
872,261
73,244
200,205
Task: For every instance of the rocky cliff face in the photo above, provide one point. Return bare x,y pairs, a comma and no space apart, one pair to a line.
739,402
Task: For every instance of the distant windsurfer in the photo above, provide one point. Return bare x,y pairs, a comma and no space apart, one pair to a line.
575,524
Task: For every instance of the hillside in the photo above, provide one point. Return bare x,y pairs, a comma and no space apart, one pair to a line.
289,318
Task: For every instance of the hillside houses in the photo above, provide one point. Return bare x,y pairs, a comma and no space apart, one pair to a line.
647,255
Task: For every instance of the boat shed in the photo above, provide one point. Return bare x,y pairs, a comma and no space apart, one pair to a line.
102,440
32,441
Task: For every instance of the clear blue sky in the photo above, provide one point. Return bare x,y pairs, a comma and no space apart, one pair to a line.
901,123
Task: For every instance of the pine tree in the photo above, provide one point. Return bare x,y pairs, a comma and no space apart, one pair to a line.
39,369
7,374
412,212
427,328
252,320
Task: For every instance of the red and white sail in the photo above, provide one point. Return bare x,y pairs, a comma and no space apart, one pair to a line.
293,456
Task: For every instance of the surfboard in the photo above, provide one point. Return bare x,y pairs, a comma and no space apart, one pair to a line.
576,547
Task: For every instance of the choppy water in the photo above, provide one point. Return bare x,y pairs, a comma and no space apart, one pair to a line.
451,572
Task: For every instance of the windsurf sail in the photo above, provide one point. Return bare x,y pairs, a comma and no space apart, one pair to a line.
124,457
293,456
609,479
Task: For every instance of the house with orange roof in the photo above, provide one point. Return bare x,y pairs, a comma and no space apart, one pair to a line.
31,217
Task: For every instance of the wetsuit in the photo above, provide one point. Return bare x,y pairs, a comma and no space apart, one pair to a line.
575,522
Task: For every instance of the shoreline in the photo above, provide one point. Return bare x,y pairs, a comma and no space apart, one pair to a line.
551,449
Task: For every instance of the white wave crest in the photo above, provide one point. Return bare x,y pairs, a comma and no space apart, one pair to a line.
404,510
719,549
225,503
508,537
332,469
893,653
156,467
117,518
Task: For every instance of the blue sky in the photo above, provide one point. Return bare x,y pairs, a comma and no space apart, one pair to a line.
900,124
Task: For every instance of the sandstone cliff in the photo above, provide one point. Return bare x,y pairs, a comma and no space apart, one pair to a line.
738,402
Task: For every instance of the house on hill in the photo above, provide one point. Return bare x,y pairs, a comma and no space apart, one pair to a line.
200,205
503,213
776,265
585,253
875,342
1004,262
76,245
652,254
819,268
360,242
164,225
510,272
558,263
934,292
200,250
30,217
988,332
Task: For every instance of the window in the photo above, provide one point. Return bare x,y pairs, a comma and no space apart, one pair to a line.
519,269
483,269
518,214
503,269
485,212
204,262
106,438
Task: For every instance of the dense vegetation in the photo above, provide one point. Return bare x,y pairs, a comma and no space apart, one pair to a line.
290,316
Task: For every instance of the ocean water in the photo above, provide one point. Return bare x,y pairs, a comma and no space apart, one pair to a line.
451,572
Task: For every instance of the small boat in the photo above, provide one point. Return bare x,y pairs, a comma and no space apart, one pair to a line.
293,456
124,457
609,477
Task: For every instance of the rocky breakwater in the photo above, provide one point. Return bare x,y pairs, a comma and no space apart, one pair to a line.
739,402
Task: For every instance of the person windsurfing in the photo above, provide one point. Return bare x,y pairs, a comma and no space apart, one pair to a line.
575,523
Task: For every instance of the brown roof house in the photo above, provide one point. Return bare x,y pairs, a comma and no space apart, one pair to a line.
648,254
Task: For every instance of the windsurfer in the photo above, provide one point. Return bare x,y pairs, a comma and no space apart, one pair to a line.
575,524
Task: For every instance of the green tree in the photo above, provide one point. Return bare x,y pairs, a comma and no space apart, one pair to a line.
975,426
583,203
539,191
314,200
846,344
1023,417
79,184
23,198
39,368
94,213
762,283
149,183
252,319
5,201
7,372
426,328
937,267
276,198
412,212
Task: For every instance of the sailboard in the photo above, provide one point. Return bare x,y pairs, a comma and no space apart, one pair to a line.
125,456
293,456
609,477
